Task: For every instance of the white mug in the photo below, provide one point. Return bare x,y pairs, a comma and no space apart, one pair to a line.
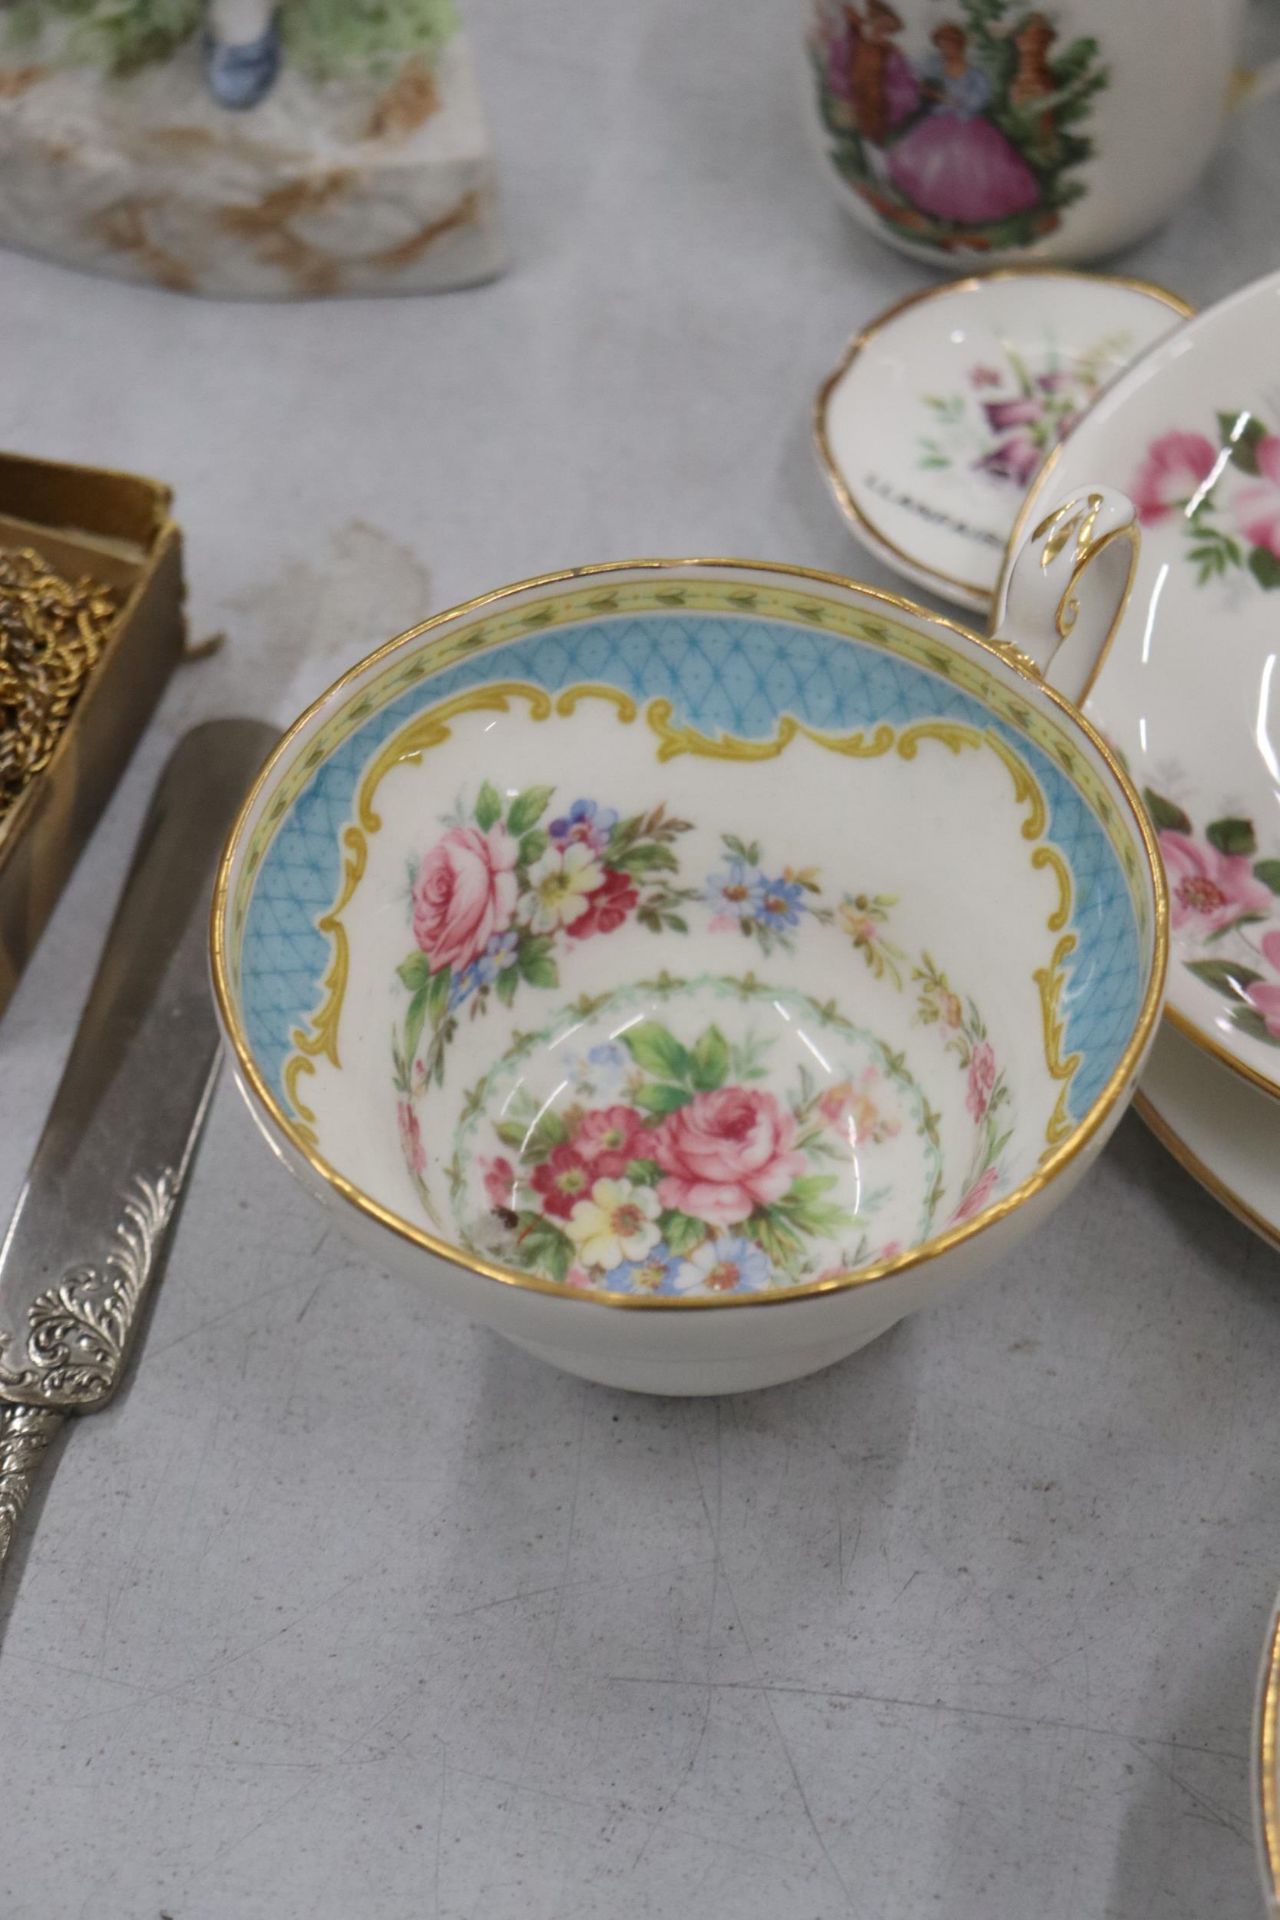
991,131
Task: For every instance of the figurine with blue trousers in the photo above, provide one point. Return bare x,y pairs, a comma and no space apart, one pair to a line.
241,51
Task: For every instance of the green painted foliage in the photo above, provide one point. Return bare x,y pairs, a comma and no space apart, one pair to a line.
118,35
327,38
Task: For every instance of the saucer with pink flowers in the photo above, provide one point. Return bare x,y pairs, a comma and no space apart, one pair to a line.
943,409
1188,691
1189,694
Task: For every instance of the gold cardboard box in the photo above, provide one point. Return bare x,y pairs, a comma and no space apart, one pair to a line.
116,527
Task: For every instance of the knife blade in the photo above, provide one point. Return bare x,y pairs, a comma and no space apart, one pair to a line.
87,1237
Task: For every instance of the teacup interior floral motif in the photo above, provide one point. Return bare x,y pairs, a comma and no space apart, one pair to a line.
512,888
506,886
675,1149
714,1135
708,1162
733,801
1016,409
1224,902
1225,487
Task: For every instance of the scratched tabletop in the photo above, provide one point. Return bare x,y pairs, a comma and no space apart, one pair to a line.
348,1611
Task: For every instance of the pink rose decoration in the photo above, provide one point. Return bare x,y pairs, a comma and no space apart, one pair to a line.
465,893
1176,464
976,1198
1257,507
1264,995
982,1078
608,1138
499,1183
1208,889
725,1154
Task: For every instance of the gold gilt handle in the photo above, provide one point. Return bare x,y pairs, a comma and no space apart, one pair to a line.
1068,587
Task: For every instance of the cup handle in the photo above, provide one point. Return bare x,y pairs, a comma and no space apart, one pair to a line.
1067,587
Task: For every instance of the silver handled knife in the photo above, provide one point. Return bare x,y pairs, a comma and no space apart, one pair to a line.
88,1233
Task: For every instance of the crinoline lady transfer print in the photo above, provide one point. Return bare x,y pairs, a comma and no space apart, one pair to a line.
966,132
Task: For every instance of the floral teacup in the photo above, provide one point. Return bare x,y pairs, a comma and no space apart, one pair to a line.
684,936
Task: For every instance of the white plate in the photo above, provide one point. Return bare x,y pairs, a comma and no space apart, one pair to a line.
1221,1129
941,410
1188,692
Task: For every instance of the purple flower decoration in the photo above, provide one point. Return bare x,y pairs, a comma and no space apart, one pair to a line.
1004,414
1014,459
587,823
1053,381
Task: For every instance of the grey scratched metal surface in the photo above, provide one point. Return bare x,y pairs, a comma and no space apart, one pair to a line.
84,1245
75,1279
394,1622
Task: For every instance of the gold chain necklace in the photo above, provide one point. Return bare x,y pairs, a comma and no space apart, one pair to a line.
51,635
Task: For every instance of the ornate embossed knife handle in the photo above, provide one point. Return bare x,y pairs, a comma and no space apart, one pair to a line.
25,1433
87,1237
77,1337
77,1333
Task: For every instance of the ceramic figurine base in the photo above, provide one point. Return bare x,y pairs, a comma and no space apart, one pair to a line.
319,189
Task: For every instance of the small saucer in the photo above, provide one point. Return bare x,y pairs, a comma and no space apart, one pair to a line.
1216,1125
942,410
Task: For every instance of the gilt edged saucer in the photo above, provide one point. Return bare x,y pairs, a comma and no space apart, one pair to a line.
942,409
1187,691
1222,1130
